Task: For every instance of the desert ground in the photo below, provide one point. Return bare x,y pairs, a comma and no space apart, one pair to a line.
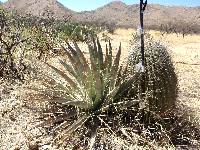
16,125
185,54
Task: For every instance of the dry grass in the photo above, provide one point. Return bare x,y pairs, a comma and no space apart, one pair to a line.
186,56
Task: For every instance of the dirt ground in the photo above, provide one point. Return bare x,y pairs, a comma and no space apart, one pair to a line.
16,120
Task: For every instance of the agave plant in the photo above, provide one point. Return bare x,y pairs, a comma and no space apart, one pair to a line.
92,87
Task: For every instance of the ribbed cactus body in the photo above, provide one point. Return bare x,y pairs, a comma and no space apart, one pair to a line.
160,77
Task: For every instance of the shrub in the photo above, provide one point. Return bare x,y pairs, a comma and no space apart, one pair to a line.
160,77
76,32
12,38
89,92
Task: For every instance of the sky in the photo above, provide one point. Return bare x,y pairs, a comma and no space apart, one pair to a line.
85,5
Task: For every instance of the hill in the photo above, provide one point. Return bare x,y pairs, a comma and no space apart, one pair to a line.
39,8
128,15
115,13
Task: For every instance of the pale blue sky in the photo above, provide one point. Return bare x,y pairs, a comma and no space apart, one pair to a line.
82,5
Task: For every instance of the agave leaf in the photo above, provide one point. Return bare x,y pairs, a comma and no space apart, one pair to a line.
82,57
78,65
125,87
100,55
119,76
98,84
73,127
114,69
95,51
47,80
110,55
74,53
87,76
72,60
52,84
86,68
65,99
124,74
70,81
51,92
68,68
90,87
106,58
111,95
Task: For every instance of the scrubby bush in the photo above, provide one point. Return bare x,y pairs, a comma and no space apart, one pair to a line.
12,39
23,38
77,32
160,77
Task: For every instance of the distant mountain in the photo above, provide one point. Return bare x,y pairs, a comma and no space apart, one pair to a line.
116,13
120,14
39,8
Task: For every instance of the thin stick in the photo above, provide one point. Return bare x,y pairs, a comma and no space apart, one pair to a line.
142,9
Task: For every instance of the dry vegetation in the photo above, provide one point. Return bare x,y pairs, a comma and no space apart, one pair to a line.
18,119
94,102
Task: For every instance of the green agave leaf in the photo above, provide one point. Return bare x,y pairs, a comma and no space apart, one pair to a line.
125,72
57,86
72,60
86,68
82,57
69,68
50,97
43,98
100,55
51,92
119,76
78,65
70,81
98,84
84,80
114,69
110,55
106,58
95,51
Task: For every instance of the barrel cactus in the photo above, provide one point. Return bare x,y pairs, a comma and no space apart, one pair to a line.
160,78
